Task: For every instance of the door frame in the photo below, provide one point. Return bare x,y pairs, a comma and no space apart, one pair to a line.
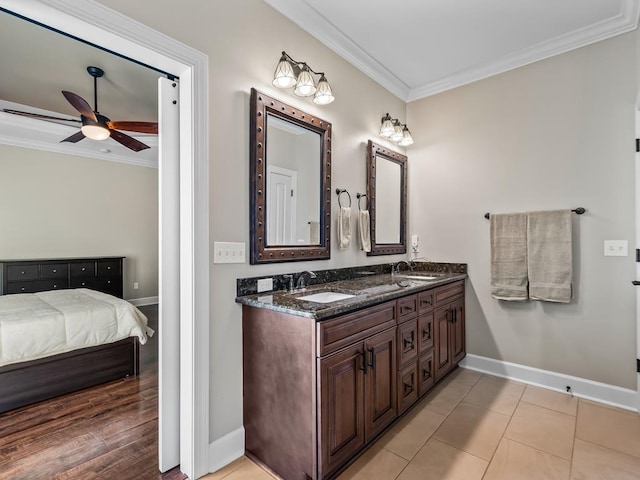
292,212
102,26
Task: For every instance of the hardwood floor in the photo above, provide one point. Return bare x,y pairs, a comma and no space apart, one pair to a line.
105,432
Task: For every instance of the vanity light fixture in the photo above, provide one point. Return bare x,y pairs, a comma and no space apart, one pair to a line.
291,73
395,131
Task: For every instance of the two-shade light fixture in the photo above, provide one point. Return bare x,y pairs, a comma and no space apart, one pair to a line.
291,73
395,131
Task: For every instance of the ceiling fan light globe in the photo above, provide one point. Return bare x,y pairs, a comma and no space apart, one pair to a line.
95,132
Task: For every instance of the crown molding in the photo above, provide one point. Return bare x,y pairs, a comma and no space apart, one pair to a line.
303,15
318,26
625,22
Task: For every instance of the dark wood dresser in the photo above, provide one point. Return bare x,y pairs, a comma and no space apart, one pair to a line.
28,276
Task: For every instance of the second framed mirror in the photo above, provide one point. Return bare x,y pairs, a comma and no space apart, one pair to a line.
387,193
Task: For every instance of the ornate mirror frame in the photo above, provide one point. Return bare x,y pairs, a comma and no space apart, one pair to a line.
375,152
261,106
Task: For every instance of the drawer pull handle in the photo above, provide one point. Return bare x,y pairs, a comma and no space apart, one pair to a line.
426,333
405,309
108,268
83,284
408,343
372,363
54,270
22,289
21,273
408,387
109,282
55,286
83,269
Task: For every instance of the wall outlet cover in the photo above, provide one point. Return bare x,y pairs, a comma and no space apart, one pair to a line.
265,284
616,248
228,252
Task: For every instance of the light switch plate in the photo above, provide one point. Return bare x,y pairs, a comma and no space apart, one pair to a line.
228,252
616,248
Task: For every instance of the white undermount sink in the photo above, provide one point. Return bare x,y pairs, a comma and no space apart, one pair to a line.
326,297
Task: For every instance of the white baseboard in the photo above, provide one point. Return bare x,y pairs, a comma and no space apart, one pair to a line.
581,387
141,302
226,449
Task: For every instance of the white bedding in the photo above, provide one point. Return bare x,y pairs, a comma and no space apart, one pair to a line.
37,325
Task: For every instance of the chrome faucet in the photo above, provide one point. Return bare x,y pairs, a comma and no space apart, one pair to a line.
289,278
395,268
302,278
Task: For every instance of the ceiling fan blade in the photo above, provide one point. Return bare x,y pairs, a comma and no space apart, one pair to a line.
128,141
39,115
142,127
76,137
80,104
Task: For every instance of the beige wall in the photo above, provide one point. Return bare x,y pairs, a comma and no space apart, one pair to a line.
243,40
555,134
54,205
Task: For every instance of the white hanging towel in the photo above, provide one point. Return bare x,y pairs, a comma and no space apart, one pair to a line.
550,262
344,228
364,227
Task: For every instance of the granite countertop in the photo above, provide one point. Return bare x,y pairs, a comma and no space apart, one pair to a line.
367,291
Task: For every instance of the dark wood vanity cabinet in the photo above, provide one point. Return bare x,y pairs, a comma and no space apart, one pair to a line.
316,393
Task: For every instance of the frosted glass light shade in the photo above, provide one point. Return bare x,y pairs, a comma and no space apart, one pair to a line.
305,86
396,136
284,76
406,139
324,95
95,132
386,129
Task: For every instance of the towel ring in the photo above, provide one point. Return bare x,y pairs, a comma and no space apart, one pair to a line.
359,196
338,192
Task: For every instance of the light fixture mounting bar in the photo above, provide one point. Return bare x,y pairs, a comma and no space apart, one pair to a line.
296,62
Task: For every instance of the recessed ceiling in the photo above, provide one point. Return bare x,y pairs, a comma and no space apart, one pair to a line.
38,63
416,48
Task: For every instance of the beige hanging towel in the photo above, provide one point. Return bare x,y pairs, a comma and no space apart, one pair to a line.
549,248
344,228
364,228
509,256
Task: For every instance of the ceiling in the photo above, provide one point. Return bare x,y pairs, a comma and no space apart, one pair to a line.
416,48
43,63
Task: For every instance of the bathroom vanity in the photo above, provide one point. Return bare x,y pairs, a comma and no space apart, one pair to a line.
323,380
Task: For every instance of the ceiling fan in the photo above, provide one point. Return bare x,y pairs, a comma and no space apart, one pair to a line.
94,125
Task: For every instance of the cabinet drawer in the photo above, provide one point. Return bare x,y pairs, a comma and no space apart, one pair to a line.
84,269
449,293
407,342
18,273
108,268
425,301
57,270
112,286
407,308
425,332
407,386
37,286
82,282
342,331
426,373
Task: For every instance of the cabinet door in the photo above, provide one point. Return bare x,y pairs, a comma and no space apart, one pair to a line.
407,386
342,421
426,378
380,382
458,332
443,318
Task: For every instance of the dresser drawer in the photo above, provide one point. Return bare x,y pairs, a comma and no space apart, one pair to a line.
449,293
36,286
347,329
407,308
112,286
108,268
54,270
18,273
82,282
84,269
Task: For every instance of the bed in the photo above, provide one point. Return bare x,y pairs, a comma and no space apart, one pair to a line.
56,340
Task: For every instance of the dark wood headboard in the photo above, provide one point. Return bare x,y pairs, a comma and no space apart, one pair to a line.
104,274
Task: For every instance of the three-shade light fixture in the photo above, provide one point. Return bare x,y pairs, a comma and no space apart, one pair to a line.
395,131
291,73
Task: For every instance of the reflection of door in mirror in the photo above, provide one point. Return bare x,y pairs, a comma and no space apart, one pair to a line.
388,197
292,167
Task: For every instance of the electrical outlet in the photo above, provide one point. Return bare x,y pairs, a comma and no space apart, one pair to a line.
616,248
228,252
135,285
415,243
265,284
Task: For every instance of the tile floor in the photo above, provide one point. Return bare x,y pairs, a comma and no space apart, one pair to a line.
475,426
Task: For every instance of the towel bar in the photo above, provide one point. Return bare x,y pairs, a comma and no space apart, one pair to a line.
577,211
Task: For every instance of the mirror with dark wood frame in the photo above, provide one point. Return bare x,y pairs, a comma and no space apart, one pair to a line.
387,194
290,172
